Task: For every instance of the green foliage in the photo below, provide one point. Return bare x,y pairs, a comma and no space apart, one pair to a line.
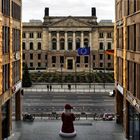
96,77
26,80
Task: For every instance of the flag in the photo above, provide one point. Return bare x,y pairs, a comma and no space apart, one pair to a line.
109,52
84,51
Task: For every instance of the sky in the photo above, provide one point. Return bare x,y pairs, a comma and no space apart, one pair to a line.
34,9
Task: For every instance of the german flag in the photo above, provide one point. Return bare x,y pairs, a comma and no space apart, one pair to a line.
109,52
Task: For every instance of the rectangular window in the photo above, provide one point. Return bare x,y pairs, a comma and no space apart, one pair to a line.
24,35
6,7
101,46
108,57
16,72
101,56
109,35
16,40
5,39
46,56
39,35
109,45
94,57
39,56
101,35
31,56
32,35
16,11
23,56
6,77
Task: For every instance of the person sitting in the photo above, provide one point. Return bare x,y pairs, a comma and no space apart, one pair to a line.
67,118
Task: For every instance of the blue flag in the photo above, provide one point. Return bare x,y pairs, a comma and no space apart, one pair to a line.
84,51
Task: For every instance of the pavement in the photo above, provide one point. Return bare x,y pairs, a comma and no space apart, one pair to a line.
83,87
49,130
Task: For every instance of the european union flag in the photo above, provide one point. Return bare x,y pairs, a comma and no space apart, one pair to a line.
84,51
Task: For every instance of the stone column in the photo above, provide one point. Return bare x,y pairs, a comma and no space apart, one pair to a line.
82,39
18,111
66,41
74,42
58,42
50,44
90,44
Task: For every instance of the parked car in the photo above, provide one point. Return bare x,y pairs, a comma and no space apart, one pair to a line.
28,117
112,93
108,116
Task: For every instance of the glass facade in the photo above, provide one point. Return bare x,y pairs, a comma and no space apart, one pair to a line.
134,124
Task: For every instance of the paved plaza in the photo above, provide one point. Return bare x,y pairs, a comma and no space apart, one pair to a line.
49,130
79,88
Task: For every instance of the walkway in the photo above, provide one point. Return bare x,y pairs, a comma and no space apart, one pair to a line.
49,130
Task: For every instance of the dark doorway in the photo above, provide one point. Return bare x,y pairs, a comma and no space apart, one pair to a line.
70,64
5,120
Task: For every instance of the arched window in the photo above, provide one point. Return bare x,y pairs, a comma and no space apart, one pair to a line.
31,45
101,46
39,45
109,46
69,44
23,45
78,44
62,44
86,42
54,44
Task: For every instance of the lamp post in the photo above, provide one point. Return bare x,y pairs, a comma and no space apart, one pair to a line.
61,75
75,73
104,69
94,78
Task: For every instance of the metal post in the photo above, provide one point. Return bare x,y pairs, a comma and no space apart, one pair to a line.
104,69
61,76
90,71
75,73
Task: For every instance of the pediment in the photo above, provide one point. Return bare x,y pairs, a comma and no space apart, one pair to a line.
70,22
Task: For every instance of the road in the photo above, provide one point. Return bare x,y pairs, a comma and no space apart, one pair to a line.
41,102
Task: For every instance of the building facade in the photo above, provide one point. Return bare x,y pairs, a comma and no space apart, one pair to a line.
10,63
52,45
127,66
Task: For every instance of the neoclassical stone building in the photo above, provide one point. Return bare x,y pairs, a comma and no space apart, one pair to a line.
52,45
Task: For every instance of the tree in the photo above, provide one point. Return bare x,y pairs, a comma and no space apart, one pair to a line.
26,80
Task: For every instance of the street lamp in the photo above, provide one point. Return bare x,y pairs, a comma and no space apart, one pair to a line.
75,73
104,69
94,77
61,75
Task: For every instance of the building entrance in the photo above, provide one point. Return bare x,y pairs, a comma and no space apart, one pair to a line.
5,121
69,64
